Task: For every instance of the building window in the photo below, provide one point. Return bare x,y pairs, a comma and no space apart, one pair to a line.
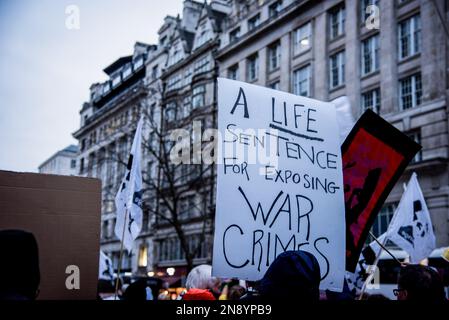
410,91
104,230
198,96
337,69
233,72
175,54
170,250
370,55
383,219
127,71
163,40
161,256
143,256
109,206
174,82
106,87
203,35
253,67
150,166
302,38
73,164
138,63
253,22
187,76
371,100
275,85
337,22
364,4
274,8
187,209
82,166
116,80
234,35
416,136
274,56
170,112
301,81
202,65
187,105
184,173
410,37
154,73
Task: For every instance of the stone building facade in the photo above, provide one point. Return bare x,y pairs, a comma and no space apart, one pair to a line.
325,49
189,102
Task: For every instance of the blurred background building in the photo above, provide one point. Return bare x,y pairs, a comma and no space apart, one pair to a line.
62,162
319,49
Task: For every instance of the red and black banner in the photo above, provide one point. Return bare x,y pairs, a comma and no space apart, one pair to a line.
375,154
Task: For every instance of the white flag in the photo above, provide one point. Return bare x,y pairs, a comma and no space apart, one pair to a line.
128,201
105,267
411,227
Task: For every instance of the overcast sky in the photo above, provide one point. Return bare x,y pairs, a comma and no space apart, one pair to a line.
46,69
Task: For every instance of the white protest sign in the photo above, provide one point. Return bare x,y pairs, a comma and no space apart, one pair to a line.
280,183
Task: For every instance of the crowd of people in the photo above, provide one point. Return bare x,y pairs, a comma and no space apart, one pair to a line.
293,275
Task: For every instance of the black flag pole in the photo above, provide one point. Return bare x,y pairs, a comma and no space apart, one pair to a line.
384,248
368,279
121,256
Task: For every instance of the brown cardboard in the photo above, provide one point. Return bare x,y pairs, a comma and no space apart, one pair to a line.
63,213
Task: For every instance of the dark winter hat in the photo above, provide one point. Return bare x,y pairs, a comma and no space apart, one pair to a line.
293,274
19,267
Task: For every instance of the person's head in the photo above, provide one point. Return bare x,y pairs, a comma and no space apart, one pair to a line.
105,288
417,282
293,274
201,278
137,291
236,292
19,268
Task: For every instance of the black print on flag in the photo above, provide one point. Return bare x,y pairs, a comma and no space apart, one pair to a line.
374,154
407,232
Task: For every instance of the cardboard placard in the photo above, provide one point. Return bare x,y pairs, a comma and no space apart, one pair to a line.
291,196
63,213
375,155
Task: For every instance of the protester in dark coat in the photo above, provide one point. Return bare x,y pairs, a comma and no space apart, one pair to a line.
292,275
419,283
19,267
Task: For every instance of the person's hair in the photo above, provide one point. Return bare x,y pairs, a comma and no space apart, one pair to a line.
236,292
421,283
19,268
201,278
